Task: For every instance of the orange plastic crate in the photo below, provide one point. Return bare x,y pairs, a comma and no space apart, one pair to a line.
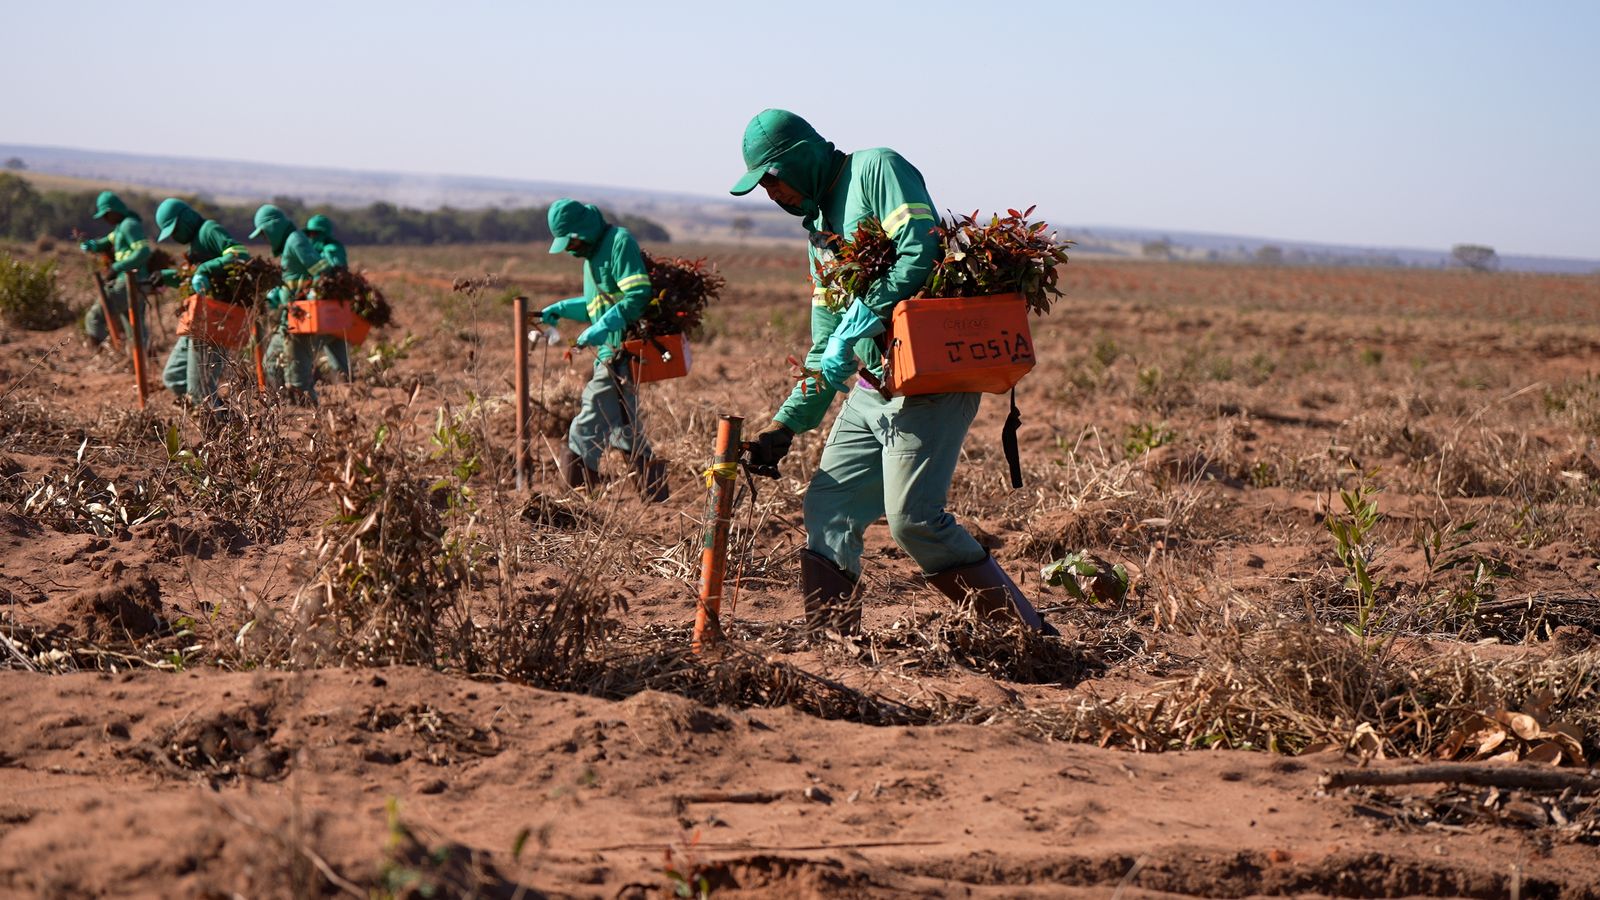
356,334
320,317
658,358
941,345
208,319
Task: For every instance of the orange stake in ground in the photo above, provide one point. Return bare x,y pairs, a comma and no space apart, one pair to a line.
720,479
136,335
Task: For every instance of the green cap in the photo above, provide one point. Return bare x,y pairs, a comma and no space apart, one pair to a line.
265,216
570,219
768,139
108,202
320,222
174,214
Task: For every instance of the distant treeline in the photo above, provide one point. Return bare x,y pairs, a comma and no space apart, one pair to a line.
27,213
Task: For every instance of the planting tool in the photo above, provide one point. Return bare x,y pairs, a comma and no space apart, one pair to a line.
113,329
720,480
519,321
136,334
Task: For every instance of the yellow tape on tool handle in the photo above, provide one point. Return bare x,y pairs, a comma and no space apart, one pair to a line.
727,471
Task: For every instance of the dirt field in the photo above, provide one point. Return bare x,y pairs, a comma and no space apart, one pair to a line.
333,652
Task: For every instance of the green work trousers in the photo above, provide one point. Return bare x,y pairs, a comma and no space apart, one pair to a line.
94,321
609,415
335,352
290,360
193,369
892,458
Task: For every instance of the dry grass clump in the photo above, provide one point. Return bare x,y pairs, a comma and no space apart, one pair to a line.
251,468
27,425
392,572
934,642
1296,688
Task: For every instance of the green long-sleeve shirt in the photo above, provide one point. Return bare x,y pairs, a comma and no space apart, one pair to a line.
879,184
333,253
212,249
301,264
129,248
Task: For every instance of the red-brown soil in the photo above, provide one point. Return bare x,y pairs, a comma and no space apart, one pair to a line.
1194,423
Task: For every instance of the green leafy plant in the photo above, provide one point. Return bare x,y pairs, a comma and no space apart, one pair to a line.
1352,529
383,354
245,281
1087,577
1144,437
366,300
1456,581
683,289
1005,255
28,296
845,269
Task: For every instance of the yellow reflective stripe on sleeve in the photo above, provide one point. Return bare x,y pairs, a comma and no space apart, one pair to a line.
601,302
819,296
236,250
633,281
905,213
131,250
318,267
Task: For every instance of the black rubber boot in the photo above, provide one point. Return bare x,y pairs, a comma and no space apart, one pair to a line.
991,591
830,596
652,475
574,472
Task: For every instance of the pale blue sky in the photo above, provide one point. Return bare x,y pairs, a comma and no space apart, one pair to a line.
1388,123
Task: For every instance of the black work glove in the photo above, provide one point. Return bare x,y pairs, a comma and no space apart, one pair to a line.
763,454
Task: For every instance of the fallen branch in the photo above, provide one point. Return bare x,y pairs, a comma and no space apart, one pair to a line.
1482,775
730,797
770,848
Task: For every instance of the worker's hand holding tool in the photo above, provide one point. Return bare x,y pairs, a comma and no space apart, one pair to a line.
763,454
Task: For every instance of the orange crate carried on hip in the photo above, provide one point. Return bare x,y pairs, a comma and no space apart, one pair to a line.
657,358
357,333
320,317
209,319
943,345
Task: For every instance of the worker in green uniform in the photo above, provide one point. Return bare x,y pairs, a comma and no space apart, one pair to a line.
129,251
884,457
194,365
616,291
290,358
334,349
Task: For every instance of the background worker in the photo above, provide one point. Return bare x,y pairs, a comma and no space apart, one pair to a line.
616,291
290,359
129,250
195,365
883,457
334,349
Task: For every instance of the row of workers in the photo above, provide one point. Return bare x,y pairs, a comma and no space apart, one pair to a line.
884,458
194,366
